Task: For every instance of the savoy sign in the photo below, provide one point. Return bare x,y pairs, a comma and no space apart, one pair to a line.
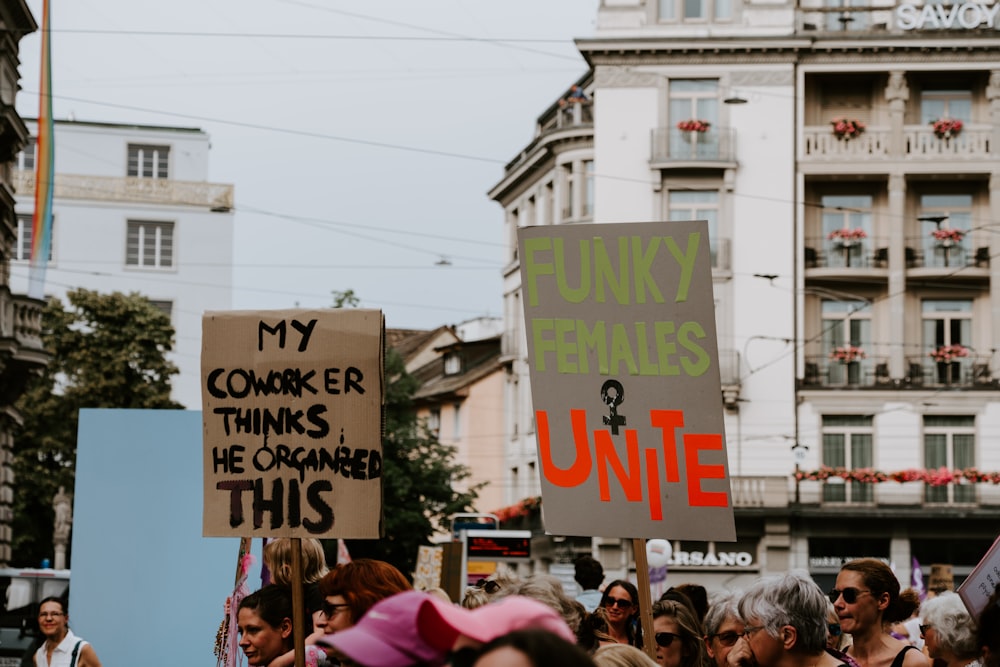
967,15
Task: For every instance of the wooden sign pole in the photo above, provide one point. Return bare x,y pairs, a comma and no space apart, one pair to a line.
645,599
299,605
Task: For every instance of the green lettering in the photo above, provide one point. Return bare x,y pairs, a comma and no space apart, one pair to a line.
687,260
664,349
565,348
604,271
642,264
646,367
621,351
578,294
594,340
534,268
541,344
702,359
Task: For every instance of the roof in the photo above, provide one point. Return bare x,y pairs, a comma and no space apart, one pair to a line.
479,359
409,342
120,126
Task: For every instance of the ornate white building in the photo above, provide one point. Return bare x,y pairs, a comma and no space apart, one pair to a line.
134,212
845,155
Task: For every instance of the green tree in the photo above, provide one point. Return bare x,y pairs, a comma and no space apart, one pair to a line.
108,351
418,472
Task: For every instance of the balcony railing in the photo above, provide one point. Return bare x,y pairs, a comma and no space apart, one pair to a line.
972,372
952,489
819,143
670,145
21,319
868,253
926,253
823,372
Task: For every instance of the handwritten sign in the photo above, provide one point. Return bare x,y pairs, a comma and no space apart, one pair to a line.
982,582
620,321
292,413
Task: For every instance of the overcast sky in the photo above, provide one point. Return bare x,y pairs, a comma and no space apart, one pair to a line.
361,137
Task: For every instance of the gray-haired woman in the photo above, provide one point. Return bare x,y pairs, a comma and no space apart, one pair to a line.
948,630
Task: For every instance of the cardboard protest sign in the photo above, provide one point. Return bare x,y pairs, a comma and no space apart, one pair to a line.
292,415
982,582
620,322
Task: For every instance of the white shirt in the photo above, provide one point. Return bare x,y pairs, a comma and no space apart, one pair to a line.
63,654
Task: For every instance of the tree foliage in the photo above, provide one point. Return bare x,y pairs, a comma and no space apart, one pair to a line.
108,351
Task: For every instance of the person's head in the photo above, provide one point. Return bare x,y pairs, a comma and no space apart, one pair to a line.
948,629
788,612
834,633
620,602
593,630
264,619
678,635
867,595
532,648
549,591
698,596
722,627
278,559
474,597
989,630
500,582
53,618
622,655
588,572
351,589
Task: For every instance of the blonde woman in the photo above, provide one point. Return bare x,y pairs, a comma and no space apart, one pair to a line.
622,655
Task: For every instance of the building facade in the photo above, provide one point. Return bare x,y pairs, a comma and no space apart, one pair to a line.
134,211
845,157
21,350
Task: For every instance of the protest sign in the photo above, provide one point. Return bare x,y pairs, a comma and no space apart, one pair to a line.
620,323
982,582
292,423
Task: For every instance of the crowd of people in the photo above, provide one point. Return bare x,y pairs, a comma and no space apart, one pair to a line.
367,615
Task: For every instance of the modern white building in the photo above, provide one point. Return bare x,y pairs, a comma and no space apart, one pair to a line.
134,211
852,222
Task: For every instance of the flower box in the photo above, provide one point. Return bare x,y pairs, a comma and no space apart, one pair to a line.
693,125
948,353
847,236
946,128
847,353
847,128
947,236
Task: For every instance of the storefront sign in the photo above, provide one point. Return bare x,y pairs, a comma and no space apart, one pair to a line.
721,559
967,15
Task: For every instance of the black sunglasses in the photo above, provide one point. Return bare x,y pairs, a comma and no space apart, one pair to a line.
924,629
850,594
665,639
488,585
727,638
621,603
332,610
834,628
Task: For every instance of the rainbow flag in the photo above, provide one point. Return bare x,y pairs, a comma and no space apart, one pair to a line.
41,224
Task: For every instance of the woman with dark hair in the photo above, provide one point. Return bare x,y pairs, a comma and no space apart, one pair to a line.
867,600
621,606
678,635
532,648
265,622
351,589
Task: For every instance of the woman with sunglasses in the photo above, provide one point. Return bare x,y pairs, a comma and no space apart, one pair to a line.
868,602
678,635
949,631
723,627
621,607
785,618
351,589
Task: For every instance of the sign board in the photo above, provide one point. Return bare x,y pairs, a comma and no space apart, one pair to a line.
939,16
982,582
292,423
493,545
942,578
622,352
429,564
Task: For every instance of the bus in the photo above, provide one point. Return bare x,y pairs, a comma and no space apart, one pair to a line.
21,589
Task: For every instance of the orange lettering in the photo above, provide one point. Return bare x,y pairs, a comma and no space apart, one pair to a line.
696,472
606,454
669,420
576,474
653,481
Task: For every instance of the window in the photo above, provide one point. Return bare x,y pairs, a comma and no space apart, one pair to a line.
955,104
165,307
452,363
457,423
847,20
22,248
568,192
694,99
434,421
26,158
949,442
550,204
147,161
698,205
946,322
842,214
149,244
948,212
846,324
695,10
847,443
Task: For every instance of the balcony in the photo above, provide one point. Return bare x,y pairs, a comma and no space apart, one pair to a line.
972,372
922,490
961,260
21,349
212,196
820,146
868,257
675,149
826,373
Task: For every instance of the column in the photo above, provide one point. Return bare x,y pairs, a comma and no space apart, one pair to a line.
897,95
896,218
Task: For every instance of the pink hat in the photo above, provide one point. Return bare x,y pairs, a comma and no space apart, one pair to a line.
387,636
440,623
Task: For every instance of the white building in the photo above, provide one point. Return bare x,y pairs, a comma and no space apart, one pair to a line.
134,212
839,288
